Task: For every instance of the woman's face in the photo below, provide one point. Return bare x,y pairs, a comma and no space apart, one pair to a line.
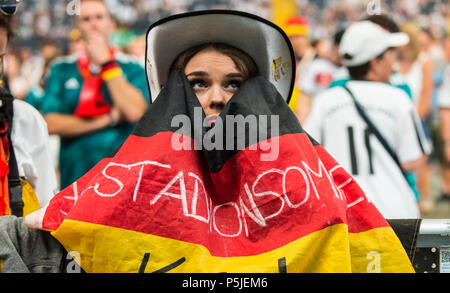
214,78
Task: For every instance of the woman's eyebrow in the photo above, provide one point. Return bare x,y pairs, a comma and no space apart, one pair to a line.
198,73
233,75
203,73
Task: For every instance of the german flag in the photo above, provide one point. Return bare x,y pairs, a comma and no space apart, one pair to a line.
170,199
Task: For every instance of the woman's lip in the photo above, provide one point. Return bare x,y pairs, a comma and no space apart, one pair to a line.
211,119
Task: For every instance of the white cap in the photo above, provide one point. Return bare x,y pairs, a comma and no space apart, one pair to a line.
365,40
262,40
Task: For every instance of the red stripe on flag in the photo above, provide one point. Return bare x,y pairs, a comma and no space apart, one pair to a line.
173,194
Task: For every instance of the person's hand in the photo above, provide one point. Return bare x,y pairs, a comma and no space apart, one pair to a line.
115,117
97,48
35,219
111,119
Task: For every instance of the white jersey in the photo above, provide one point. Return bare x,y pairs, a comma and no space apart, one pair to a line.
31,146
336,124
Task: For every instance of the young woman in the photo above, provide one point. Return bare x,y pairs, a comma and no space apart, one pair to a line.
277,204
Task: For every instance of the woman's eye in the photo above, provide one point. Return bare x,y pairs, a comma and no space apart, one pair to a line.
234,84
198,84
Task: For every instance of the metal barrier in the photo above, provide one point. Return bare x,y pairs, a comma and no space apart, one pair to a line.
433,247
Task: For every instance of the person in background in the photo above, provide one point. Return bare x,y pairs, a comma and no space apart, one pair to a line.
24,139
366,51
94,98
436,46
297,29
35,97
76,44
33,63
431,44
47,54
416,68
136,48
444,108
319,75
395,80
18,84
335,57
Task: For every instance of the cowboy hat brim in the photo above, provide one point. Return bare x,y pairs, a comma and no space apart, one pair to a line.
262,40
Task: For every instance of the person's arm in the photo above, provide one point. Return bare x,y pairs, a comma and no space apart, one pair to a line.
445,130
127,98
67,125
412,148
413,166
426,94
58,117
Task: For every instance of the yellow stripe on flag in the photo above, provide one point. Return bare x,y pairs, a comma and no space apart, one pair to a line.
105,249
378,251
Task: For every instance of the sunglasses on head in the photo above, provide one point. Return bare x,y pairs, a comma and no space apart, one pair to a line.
8,7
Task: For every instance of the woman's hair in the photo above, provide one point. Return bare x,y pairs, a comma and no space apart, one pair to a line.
244,63
413,32
360,72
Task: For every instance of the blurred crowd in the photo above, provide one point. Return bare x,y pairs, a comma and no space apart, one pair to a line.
41,24
40,19
45,31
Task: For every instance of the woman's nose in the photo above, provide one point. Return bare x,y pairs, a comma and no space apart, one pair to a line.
217,98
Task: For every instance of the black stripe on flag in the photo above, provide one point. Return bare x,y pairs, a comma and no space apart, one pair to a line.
257,98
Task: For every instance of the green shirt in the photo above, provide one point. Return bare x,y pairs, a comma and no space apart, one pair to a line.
78,155
35,97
